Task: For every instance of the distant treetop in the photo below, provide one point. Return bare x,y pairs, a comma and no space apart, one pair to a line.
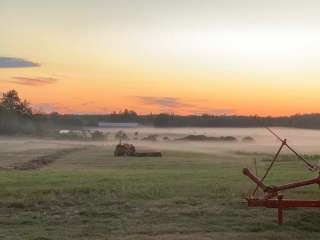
10,102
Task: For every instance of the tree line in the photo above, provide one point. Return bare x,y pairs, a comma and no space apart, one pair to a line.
17,117
311,121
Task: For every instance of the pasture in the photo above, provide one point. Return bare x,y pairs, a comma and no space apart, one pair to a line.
194,191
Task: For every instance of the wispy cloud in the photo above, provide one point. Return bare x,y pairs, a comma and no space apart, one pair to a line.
46,107
162,101
213,111
87,103
222,111
39,81
49,107
8,62
177,105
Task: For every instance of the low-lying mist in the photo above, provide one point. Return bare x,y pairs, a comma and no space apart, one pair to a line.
304,141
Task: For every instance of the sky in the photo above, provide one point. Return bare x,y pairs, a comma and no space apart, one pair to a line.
243,57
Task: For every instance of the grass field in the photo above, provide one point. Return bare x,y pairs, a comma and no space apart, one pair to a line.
89,194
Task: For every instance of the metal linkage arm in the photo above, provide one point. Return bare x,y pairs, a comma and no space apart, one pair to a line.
284,141
255,179
296,184
273,190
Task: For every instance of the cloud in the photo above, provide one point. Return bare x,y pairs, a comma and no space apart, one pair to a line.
40,81
222,111
171,104
46,107
214,111
49,107
7,62
162,101
87,103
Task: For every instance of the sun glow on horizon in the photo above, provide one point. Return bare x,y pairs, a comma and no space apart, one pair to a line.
218,57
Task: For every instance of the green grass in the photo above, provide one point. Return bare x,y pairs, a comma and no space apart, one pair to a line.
92,195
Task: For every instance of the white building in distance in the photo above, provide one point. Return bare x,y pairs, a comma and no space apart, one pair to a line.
118,125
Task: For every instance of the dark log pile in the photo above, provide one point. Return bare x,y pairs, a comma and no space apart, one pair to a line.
130,150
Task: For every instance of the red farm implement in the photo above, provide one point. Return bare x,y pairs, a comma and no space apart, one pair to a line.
272,197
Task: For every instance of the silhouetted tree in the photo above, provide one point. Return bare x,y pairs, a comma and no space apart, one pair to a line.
10,102
15,114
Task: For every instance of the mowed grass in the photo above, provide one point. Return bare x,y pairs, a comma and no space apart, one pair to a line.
90,194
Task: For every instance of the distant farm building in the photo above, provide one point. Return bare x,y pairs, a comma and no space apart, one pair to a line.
118,125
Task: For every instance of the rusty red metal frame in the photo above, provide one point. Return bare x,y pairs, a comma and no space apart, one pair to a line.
272,197
273,191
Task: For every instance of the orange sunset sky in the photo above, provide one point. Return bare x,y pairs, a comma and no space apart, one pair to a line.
177,56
